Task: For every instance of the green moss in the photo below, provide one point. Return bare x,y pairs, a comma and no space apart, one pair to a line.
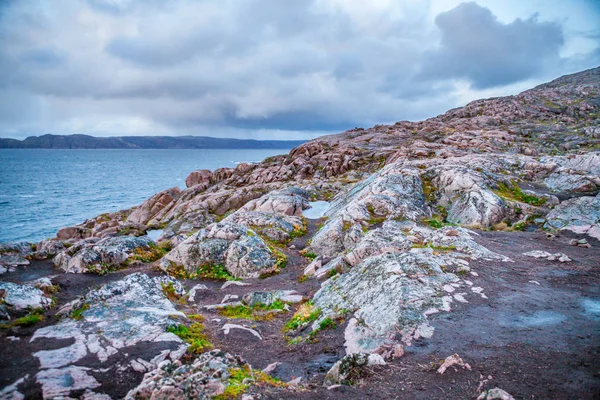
169,291
213,271
519,226
240,380
193,335
302,278
326,323
429,189
514,192
434,223
308,254
32,318
259,312
77,314
151,254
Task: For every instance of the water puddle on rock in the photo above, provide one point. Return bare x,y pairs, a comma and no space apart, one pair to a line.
154,234
536,320
317,209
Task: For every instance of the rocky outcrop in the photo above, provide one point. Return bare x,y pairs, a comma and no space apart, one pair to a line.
125,317
201,177
148,213
205,378
579,215
236,248
290,201
17,297
100,256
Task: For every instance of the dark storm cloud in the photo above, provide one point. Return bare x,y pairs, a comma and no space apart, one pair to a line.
196,66
477,47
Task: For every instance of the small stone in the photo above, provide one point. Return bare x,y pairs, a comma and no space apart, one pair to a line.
585,245
582,241
573,242
453,360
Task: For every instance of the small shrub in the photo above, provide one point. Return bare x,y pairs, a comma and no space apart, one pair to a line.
302,278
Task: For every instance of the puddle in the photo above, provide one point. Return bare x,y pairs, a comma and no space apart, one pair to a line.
591,307
537,319
154,234
317,209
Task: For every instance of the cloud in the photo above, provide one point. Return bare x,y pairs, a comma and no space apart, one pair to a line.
260,66
477,47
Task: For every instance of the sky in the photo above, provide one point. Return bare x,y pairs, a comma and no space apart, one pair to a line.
274,69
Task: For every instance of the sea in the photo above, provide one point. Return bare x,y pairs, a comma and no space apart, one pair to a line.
42,190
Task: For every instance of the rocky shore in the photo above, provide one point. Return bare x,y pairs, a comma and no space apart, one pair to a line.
459,257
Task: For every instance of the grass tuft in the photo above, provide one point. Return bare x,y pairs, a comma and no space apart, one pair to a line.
193,335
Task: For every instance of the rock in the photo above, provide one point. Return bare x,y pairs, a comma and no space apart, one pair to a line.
311,268
452,361
15,254
8,260
196,289
235,283
239,250
200,177
267,298
101,256
390,292
205,378
290,201
495,394
149,210
349,369
228,327
548,256
48,248
23,297
580,215
126,314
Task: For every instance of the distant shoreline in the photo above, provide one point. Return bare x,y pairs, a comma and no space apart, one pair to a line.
86,142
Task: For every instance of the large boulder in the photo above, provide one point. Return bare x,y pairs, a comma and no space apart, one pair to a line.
19,297
289,201
235,247
391,295
579,215
149,209
14,255
100,256
578,173
393,192
200,177
124,320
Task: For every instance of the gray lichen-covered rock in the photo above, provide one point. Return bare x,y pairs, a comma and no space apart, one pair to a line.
580,215
100,256
14,255
267,298
132,313
205,378
154,207
395,192
19,297
238,249
289,201
389,293
578,173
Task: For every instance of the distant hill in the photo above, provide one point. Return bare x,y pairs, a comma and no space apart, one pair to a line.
142,142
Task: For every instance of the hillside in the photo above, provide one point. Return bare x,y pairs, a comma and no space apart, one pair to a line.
142,142
456,258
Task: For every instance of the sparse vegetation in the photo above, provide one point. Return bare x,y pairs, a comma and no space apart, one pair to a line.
152,253
77,314
193,335
513,192
240,380
305,314
32,318
259,312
